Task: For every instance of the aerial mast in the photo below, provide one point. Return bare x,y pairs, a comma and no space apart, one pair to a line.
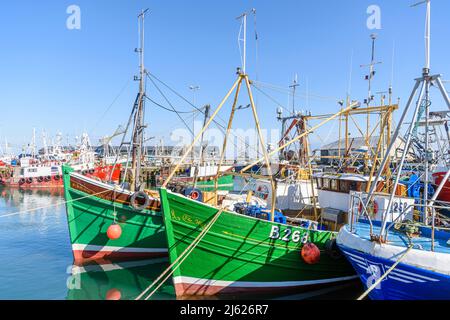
370,96
139,126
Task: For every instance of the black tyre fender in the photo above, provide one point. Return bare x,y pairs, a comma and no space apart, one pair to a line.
135,204
332,249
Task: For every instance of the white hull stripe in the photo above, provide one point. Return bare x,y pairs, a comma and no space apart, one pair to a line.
89,247
399,279
415,275
354,256
256,284
396,274
116,266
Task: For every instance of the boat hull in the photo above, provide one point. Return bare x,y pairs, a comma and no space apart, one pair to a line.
33,184
406,282
420,275
241,254
93,206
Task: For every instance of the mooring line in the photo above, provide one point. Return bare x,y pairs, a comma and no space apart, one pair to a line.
384,275
181,258
52,205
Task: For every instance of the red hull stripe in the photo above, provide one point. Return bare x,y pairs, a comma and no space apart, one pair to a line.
186,286
106,255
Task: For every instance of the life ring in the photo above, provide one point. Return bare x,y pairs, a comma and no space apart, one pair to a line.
57,177
194,195
372,209
263,193
48,178
29,180
40,179
135,204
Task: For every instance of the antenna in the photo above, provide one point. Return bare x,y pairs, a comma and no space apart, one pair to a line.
349,88
253,11
139,108
243,18
391,84
294,85
427,31
372,71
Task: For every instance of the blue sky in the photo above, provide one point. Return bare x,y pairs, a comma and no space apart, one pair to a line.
56,79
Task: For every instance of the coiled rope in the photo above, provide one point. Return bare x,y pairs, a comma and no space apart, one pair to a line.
181,259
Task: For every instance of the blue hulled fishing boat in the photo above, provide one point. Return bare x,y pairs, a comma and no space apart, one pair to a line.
406,255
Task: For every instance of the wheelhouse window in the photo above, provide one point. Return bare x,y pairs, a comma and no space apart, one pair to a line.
334,184
344,186
326,183
363,186
319,183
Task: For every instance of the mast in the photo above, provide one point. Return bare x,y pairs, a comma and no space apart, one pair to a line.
138,129
426,72
370,96
423,101
294,86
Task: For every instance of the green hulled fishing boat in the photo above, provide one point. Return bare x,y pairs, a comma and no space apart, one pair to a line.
111,221
244,254
93,206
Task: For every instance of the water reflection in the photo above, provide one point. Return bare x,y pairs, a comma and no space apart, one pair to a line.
118,281
30,199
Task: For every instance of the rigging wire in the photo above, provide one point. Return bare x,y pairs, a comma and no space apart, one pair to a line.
111,104
167,109
222,127
173,108
287,90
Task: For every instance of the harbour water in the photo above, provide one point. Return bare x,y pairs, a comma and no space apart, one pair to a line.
36,258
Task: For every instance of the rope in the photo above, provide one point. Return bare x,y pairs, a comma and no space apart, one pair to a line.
384,275
52,205
221,126
109,107
181,258
167,109
173,108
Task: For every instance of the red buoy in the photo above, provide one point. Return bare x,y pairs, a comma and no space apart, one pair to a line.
310,253
114,231
113,294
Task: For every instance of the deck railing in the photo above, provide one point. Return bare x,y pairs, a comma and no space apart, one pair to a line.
358,210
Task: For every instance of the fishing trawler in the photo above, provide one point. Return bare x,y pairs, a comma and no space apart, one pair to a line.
108,221
33,171
407,257
111,216
214,250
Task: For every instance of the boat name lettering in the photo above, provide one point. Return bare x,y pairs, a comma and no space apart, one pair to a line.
399,206
287,235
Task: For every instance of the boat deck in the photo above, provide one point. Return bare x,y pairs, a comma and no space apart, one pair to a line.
396,238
